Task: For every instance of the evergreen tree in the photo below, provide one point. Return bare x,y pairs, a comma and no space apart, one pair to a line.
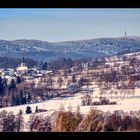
12,88
17,100
1,87
4,83
24,100
12,84
45,66
29,98
21,100
13,102
69,63
36,110
28,110
73,79
81,82
18,80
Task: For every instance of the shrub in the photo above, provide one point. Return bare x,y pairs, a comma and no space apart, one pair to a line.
86,100
104,101
113,103
96,103
28,110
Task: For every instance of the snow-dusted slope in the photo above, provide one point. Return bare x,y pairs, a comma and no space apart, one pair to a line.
52,105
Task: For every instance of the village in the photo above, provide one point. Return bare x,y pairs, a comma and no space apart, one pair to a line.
112,77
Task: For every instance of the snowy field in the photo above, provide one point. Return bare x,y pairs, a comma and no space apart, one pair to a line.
54,104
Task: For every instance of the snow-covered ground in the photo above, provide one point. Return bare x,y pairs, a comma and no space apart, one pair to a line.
52,105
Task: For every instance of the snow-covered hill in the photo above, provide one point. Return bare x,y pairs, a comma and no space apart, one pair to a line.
92,48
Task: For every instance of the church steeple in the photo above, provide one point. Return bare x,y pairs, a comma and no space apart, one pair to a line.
23,60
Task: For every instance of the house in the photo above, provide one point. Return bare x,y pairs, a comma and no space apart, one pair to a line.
73,88
85,66
8,73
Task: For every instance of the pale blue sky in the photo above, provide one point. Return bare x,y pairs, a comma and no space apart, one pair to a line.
68,24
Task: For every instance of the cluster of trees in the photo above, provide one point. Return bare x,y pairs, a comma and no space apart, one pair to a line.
21,92
14,93
88,100
59,63
39,124
121,78
121,72
84,81
67,63
61,121
122,93
94,121
7,62
72,121
10,122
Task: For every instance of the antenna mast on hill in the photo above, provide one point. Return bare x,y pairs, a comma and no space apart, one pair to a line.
125,33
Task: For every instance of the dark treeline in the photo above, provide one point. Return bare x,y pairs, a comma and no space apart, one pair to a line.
10,94
67,63
59,63
9,62
19,92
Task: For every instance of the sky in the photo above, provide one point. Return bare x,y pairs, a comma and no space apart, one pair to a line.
56,25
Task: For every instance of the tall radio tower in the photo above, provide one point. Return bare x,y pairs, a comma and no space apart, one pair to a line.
125,33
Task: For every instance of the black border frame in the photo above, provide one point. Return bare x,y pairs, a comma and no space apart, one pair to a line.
70,4
72,135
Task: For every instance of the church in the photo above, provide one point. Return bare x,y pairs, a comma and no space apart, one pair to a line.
22,68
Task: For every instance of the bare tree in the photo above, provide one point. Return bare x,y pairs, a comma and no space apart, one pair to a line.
111,92
19,120
116,93
60,82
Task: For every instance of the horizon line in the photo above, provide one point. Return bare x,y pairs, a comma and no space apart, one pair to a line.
127,36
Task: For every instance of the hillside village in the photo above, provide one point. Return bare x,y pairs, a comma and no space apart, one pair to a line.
110,73
109,84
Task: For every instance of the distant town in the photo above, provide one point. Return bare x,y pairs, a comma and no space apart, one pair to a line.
35,84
